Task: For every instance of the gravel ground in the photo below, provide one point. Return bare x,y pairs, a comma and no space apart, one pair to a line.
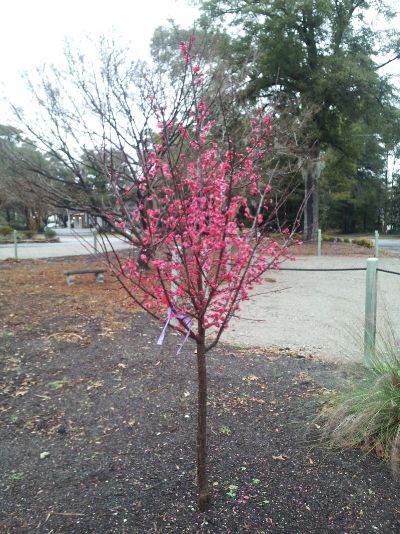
321,313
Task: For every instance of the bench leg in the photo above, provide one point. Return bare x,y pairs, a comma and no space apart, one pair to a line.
70,279
100,278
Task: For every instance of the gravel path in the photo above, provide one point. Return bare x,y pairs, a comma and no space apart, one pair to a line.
321,313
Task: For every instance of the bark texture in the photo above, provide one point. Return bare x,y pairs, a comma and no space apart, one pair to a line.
311,174
202,479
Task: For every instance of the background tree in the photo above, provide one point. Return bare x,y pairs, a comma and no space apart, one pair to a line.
101,135
228,82
322,52
352,185
93,122
24,192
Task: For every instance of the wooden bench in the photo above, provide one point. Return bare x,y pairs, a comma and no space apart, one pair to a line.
99,274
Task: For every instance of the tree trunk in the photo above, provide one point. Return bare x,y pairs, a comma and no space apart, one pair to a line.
311,174
204,496
28,219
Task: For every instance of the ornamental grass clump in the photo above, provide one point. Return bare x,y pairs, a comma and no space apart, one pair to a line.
6,230
366,413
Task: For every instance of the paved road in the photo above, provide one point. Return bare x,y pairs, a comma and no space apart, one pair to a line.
71,244
390,244
321,313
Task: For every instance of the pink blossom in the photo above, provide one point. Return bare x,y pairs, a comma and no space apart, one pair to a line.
184,51
192,202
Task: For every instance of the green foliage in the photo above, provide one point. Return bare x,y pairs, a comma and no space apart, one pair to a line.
212,47
328,238
225,430
232,493
323,55
29,234
352,189
6,230
16,475
366,412
58,384
394,203
25,172
50,233
363,243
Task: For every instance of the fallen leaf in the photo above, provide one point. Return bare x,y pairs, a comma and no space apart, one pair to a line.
379,450
280,457
21,392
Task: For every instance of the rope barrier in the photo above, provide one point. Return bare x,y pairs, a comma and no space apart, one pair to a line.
370,297
323,270
390,272
329,270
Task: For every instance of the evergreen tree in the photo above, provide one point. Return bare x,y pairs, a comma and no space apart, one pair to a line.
323,53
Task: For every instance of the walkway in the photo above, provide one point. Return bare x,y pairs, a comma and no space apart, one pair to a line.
320,313
71,244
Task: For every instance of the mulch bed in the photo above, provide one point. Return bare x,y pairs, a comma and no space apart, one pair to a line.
85,382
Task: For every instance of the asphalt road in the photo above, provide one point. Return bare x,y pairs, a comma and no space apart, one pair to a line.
390,244
71,244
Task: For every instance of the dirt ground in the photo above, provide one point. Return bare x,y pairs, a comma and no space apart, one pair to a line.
98,425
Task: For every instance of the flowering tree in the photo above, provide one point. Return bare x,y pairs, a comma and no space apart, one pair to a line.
200,228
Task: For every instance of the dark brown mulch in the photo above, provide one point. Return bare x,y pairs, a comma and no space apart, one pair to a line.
84,381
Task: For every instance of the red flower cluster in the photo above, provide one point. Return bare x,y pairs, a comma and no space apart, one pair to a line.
204,259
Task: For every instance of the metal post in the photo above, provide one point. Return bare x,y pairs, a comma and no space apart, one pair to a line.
319,241
95,241
15,244
376,244
370,309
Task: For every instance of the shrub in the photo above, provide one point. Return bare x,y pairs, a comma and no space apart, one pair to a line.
367,412
363,243
328,238
29,234
346,240
50,233
6,230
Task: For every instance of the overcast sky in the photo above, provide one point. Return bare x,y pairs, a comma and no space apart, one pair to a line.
32,32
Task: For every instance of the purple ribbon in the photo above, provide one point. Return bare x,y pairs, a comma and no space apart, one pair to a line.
187,321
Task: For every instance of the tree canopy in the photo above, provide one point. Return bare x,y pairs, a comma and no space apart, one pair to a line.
325,53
